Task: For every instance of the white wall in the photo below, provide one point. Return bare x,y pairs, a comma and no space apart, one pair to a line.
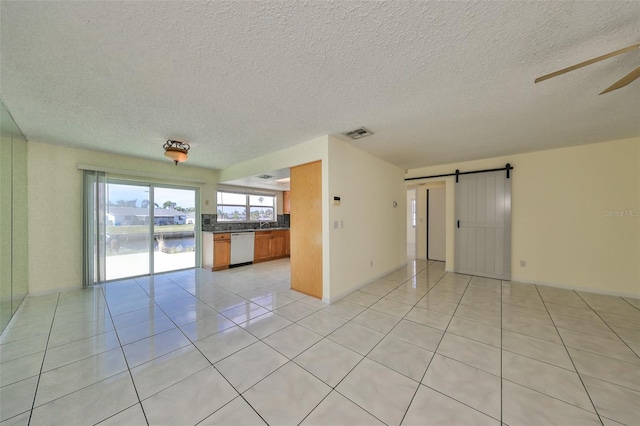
55,207
372,241
564,215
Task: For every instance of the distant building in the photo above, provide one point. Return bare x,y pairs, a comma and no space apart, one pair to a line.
127,216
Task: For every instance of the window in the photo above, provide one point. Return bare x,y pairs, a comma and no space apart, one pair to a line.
242,207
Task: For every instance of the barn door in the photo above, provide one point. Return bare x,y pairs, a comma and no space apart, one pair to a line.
483,225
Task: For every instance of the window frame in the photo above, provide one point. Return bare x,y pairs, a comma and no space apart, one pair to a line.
247,206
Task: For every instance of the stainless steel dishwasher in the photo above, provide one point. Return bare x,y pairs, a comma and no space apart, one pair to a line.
242,248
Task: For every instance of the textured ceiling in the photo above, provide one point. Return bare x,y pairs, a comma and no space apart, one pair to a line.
436,82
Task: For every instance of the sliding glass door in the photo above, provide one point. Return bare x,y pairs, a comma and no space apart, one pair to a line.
174,229
134,228
128,230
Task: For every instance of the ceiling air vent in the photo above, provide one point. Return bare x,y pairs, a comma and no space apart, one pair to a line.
358,133
265,177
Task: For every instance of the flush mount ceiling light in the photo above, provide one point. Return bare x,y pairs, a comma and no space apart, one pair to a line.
176,151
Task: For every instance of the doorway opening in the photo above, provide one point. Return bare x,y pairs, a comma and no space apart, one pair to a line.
436,224
412,222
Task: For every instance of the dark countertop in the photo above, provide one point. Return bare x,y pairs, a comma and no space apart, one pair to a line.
235,231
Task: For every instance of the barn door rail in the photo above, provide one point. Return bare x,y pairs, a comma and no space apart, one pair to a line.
458,173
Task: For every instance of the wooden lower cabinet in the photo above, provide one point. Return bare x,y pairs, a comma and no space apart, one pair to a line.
270,245
261,246
277,247
221,251
287,243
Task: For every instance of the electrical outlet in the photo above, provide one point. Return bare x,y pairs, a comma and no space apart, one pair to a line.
523,263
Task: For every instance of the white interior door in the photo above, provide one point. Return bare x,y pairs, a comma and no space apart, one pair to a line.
436,231
483,225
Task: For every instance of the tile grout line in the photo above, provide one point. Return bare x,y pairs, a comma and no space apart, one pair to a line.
334,388
570,357
135,388
501,351
35,394
610,328
435,351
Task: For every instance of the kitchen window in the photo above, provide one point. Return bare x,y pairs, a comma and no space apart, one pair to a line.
245,207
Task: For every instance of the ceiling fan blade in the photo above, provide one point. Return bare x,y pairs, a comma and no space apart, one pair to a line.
589,62
623,81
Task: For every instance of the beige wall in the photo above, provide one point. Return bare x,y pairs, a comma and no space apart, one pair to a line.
55,207
565,215
372,236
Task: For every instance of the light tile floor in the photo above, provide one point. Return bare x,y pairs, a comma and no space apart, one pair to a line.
417,347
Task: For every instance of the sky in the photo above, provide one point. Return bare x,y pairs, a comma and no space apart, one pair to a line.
182,197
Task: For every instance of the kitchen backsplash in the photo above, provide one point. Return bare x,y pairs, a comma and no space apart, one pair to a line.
210,223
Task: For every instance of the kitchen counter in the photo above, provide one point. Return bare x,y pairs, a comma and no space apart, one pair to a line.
246,230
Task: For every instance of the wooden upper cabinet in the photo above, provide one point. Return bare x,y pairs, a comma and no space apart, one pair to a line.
286,202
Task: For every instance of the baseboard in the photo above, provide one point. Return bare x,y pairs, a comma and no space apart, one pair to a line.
579,288
344,294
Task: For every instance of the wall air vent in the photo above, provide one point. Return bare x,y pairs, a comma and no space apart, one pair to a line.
358,133
265,177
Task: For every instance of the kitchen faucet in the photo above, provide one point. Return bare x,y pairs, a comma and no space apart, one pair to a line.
264,225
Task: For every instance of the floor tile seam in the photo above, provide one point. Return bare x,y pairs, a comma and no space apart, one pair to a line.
239,396
586,334
516,331
610,328
25,378
461,402
632,305
21,340
584,386
361,407
35,394
81,388
476,340
426,325
135,388
474,307
140,401
437,346
182,347
396,371
554,397
586,374
19,381
316,406
342,379
501,351
539,360
525,307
